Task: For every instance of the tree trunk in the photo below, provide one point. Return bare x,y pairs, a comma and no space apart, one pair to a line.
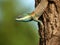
51,21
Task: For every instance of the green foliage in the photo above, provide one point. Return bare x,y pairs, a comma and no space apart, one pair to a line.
16,33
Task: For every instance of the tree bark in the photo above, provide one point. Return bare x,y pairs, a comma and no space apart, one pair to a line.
51,21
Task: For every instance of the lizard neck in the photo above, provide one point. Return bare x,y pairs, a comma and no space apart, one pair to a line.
40,8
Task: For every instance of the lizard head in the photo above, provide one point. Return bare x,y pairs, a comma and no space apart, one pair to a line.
24,18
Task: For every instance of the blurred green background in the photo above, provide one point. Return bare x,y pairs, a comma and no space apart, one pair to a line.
17,33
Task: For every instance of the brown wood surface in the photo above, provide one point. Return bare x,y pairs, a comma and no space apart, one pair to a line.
51,20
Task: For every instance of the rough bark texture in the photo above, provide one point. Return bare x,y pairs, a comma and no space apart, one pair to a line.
51,20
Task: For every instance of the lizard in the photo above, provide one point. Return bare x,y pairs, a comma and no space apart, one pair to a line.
35,14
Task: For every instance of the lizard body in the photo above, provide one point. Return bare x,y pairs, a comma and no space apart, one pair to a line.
36,13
